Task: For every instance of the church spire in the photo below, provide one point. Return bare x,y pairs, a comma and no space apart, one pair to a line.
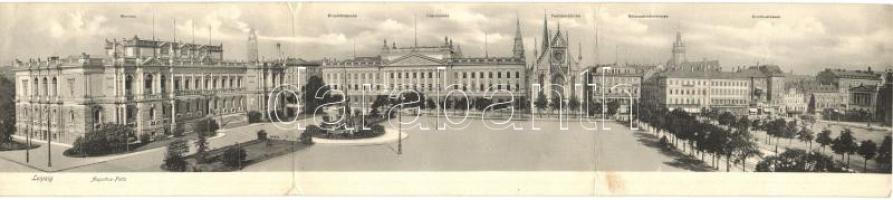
518,49
545,44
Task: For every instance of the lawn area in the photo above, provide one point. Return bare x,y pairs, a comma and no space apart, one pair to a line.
16,145
256,151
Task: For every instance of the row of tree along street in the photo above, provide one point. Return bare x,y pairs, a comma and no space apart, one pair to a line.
725,135
677,126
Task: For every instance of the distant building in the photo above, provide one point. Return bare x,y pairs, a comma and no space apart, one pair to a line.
885,98
678,60
695,91
846,79
767,86
826,97
794,102
615,83
862,98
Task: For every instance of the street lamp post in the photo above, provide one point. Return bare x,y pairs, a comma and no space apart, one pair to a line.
49,139
400,128
28,137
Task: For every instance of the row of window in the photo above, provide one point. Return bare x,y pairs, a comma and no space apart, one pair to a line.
714,101
708,82
41,87
394,75
431,87
223,83
701,91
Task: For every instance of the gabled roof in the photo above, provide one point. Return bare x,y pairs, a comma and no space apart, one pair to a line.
558,40
415,60
864,88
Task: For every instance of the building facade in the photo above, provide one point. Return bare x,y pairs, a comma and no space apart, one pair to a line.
615,83
433,71
848,78
696,91
794,102
152,86
554,68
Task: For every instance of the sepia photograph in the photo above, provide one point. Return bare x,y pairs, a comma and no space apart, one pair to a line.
589,98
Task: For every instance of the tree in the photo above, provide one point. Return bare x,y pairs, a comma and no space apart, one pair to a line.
806,135
254,117
481,103
716,139
107,139
778,129
7,107
261,135
201,144
540,101
306,137
867,149
556,103
845,145
173,159
612,107
206,126
596,108
883,154
430,104
315,85
810,108
743,123
234,156
824,139
726,118
744,147
797,160
790,131
573,104
521,103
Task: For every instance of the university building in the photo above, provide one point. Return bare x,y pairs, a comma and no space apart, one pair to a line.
432,70
153,86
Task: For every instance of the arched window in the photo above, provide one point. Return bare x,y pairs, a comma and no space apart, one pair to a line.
53,87
35,91
43,87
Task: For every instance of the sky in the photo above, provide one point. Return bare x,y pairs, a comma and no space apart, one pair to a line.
801,38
